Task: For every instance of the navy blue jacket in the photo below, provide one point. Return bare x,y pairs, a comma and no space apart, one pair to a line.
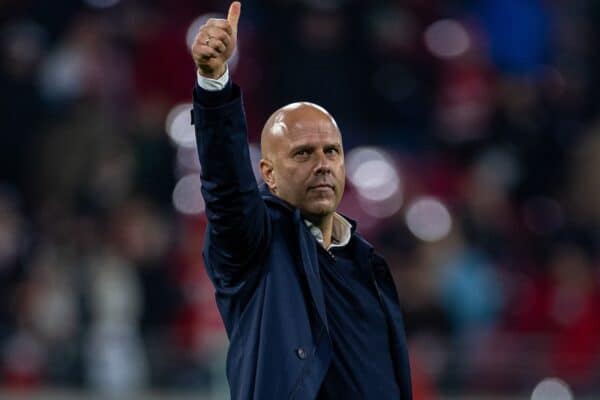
262,260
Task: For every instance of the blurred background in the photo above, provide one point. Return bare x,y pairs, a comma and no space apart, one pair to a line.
472,135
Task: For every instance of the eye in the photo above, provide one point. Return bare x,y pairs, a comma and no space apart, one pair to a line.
302,154
332,150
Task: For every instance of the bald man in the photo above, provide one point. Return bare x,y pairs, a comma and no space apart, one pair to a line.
310,309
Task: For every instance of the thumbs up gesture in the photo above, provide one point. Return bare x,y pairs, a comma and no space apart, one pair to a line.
215,42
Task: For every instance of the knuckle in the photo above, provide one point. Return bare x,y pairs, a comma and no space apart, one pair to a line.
220,35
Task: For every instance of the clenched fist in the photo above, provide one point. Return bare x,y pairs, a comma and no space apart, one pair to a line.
215,43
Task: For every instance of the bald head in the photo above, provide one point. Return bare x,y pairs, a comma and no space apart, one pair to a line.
284,124
303,159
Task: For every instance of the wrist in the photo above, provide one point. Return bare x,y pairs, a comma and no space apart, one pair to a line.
213,74
211,84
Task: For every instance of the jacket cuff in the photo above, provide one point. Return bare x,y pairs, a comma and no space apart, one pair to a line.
214,105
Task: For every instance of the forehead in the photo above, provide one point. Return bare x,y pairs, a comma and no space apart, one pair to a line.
312,131
303,124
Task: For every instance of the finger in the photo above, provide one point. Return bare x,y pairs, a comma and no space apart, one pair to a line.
218,45
233,16
206,52
219,34
218,23
217,39
214,44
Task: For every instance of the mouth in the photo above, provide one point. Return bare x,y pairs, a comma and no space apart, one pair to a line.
321,187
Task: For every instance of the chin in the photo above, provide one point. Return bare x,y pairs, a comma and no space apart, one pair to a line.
320,209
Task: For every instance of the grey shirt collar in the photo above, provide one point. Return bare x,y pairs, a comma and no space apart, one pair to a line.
341,234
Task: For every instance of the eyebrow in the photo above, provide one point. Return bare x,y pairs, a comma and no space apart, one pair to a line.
299,147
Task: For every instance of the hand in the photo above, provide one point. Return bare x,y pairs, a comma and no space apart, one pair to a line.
215,42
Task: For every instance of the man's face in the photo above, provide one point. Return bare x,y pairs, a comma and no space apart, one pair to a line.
308,162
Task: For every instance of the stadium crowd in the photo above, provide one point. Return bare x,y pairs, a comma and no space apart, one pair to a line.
472,135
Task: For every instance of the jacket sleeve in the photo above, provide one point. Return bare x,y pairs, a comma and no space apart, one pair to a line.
238,222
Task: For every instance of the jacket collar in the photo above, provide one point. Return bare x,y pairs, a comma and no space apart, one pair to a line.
273,199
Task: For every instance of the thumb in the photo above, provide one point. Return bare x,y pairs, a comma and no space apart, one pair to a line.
233,16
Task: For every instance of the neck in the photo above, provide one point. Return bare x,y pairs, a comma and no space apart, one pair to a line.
325,224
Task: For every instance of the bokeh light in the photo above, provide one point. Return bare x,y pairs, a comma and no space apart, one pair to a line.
179,127
187,161
447,38
428,219
382,209
552,389
187,197
373,173
376,180
62,74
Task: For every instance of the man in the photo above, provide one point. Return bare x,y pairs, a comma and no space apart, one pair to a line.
310,310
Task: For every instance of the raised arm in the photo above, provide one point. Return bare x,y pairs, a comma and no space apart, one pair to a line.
238,228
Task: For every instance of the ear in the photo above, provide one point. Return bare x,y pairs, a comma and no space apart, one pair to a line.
266,171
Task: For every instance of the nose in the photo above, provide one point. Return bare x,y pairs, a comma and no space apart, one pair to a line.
323,166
